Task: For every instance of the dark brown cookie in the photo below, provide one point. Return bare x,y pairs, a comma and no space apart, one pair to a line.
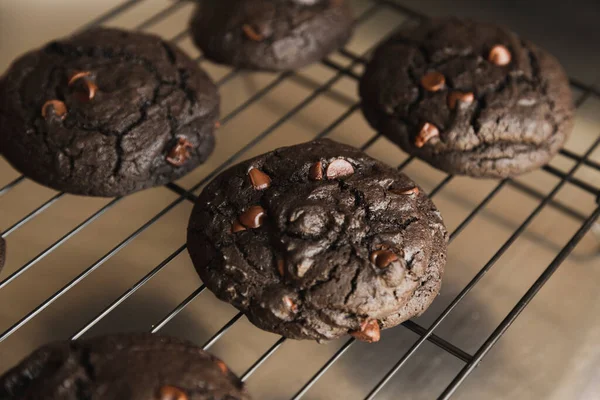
318,240
271,34
468,98
106,113
133,367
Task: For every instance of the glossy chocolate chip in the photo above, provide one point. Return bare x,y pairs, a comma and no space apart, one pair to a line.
259,179
459,97
252,34
180,153
369,331
222,366
56,107
253,217
500,55
88,84
339,169
237,227
433,81
316,171
409,191
78,75
280,267
428,131
383,258
171,393
289,303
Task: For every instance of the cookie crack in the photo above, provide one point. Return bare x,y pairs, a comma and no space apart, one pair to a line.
39,132
353,285
481,104
318,283
67,50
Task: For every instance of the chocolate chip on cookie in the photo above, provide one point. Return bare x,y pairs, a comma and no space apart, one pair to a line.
107,113
468,98
126,366
271,35
337,243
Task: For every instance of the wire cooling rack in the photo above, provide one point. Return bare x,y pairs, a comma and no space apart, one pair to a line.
344,65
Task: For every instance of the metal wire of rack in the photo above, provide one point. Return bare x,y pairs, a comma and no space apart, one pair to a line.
425,334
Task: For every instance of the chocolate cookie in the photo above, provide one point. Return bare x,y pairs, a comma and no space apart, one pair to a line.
133,367
271,35
468,98
106,113
318,240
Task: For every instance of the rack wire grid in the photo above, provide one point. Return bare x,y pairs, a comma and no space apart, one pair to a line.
96,265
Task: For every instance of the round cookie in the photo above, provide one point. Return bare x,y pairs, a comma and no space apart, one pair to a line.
318,240
106,113
468,98
271,35
133,366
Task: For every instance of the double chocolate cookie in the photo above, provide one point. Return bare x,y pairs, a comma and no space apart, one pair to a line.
318,240
271,34
106,113
468,98
133,367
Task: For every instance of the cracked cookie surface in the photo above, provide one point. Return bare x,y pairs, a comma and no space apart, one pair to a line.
102,113
318,240
468,98
271,34
133,366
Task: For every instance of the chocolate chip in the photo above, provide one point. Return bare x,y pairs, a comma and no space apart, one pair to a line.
339,168
78,75
289,303
179,154
171,393
253,217
237,227
88,84
280,267
410,191
316,171
381,246
369,331
259,179
499,55
57,107
222,366
383,258
433,81
252,34
428,131
462,97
